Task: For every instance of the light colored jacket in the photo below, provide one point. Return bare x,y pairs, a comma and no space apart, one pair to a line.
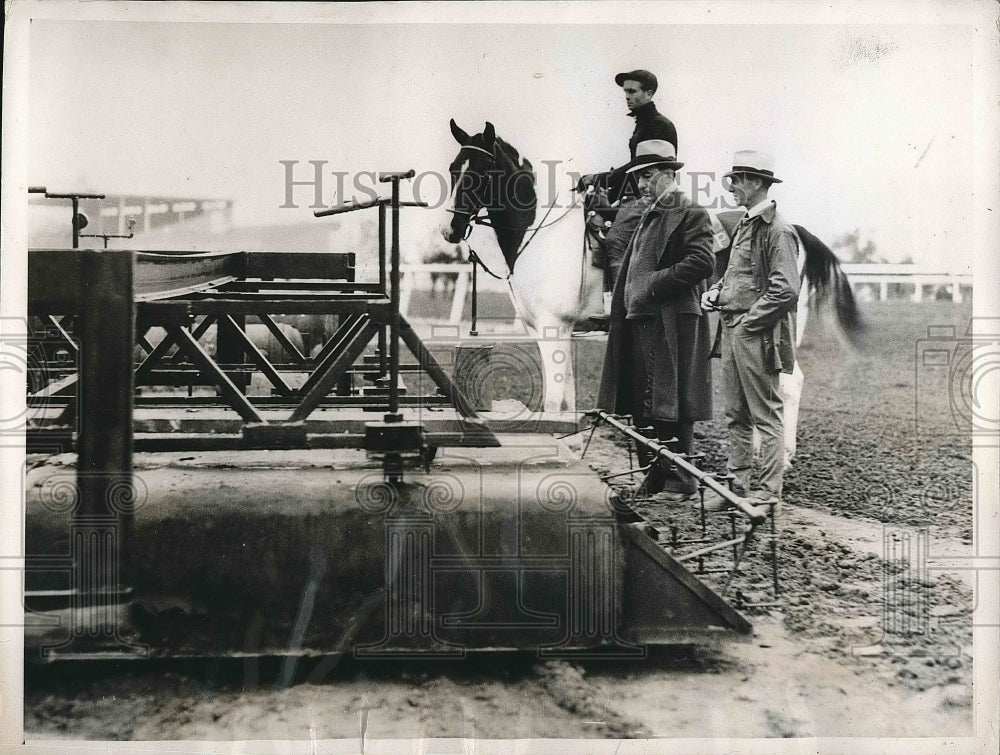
760,290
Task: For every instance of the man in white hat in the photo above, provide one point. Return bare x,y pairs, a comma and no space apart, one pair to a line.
756,299
657,365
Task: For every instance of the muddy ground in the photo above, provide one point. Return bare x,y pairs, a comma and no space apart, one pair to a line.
866,639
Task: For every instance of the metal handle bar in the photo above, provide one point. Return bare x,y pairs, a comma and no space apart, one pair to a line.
77,195
352,206
754,514
396,176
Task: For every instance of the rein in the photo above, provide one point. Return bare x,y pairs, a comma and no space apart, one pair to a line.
475,218
474,257
477,260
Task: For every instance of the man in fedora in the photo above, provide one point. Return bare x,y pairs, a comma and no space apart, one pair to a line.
756,299
657,366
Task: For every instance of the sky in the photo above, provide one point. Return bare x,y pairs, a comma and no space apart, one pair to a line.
869,125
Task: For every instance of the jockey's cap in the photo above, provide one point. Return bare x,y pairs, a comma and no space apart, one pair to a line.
644,77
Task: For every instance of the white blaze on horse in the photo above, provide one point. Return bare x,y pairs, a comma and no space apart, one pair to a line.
542,246
535,238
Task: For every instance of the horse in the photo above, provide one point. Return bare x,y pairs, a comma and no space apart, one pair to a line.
553,282
531,239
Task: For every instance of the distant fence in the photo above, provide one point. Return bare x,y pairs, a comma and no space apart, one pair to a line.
913,279
418,276
910,280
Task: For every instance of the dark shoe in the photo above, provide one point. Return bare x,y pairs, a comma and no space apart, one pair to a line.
674,484
766,500
675,496
653,482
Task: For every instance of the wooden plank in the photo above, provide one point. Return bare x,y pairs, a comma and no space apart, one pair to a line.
344,324
144,370
102,523
328,378
375,306
54,277
166,276
319,265
200,357
434,370
258,358
290,348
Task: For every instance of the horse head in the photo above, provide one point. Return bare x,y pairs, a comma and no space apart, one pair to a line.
488,173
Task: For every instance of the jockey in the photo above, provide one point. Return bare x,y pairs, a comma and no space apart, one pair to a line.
617,186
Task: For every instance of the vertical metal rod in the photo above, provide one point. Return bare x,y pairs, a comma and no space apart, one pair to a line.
76,229
394,321
475,300
906,599
382,350
701,496
736,548
593,429
774,552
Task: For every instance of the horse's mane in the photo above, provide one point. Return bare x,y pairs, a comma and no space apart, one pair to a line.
510,151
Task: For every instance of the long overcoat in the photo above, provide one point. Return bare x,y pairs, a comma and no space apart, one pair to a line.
680,234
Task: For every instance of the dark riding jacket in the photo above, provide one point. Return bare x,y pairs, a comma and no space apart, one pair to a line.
650,123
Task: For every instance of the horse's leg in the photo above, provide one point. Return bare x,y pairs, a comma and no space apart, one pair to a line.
556,351
802,314
557,369
790,387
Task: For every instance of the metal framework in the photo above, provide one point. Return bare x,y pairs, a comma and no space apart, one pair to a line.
613,586
93,308
186,294
736,508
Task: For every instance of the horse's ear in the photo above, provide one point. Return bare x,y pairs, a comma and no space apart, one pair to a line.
460,136
489,135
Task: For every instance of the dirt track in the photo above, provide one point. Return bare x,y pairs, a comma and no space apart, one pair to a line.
820,664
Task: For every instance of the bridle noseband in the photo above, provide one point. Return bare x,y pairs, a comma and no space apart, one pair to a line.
471,214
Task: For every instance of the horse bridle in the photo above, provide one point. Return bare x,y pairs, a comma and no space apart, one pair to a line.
471,214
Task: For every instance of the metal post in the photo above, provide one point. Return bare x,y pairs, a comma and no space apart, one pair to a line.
774,554
475,301
393,415
76,228
382,283
103,521
75,199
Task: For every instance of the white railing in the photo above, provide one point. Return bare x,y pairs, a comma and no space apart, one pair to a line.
880,274
884,273
417,275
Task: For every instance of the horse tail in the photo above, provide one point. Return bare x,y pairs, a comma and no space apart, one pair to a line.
827,278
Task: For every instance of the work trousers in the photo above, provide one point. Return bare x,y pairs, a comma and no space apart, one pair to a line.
750,390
